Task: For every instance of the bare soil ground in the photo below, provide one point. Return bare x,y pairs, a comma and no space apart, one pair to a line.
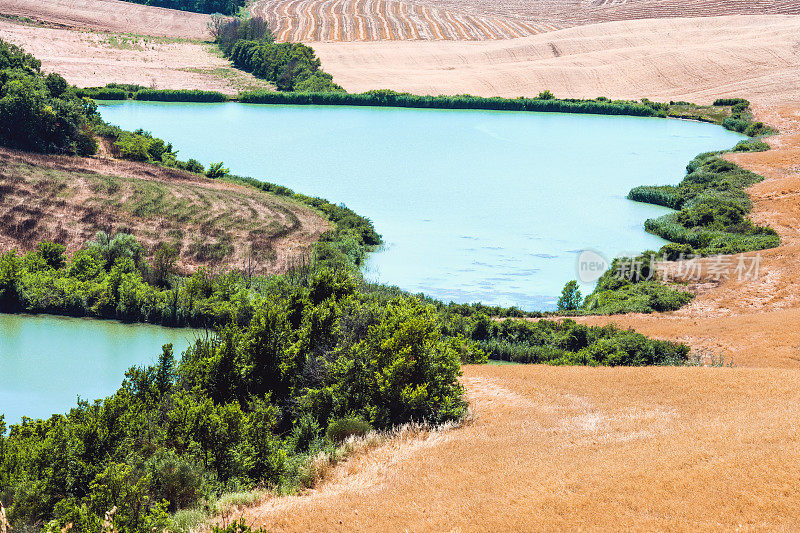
667,59
113,16
657,449
90,58
388,20
211,223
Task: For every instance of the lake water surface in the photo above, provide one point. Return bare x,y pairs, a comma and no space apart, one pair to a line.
473,205
46,362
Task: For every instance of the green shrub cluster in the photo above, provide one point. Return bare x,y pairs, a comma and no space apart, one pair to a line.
226,7
568,343
182,95
731,102
712,209
751,145
38,112
142,146
246,406
250,45
111,91
388,98
116,91
340,430
741,120
711,219
104,93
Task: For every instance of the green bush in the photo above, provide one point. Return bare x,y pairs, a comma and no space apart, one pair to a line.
182,95
226,7
751,145
41,113
103,93
566,342
731,102
251,46
340,430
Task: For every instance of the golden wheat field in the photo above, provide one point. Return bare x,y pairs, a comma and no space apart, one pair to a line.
676,449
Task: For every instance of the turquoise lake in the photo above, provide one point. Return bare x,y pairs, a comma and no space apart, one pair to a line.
46,362
473,205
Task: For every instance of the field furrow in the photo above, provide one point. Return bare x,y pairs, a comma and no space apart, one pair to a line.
376,20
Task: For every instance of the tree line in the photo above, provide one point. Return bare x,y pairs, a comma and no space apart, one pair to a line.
226,7
250,45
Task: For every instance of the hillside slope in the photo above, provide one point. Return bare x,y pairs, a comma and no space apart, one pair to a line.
668,59
210,223
113,16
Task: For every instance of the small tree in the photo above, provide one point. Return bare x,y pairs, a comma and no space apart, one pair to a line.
164,264
52,253
571,297
216,170
546,95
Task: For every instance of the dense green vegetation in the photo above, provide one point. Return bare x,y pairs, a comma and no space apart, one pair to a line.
543,103
115,91
251,46
226,7
183,95
245,406
298,362
39,112
711,206
630,286
568,343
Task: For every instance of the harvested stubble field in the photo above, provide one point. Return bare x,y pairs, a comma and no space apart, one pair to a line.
69,199
597,449
477,20
386,20
667,59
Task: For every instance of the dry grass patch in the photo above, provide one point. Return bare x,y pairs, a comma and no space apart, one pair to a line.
210,223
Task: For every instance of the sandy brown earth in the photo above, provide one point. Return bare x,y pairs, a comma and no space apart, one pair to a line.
670,59
478,20
90,59
210,223
113,16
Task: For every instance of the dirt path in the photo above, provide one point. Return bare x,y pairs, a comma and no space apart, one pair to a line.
679,449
